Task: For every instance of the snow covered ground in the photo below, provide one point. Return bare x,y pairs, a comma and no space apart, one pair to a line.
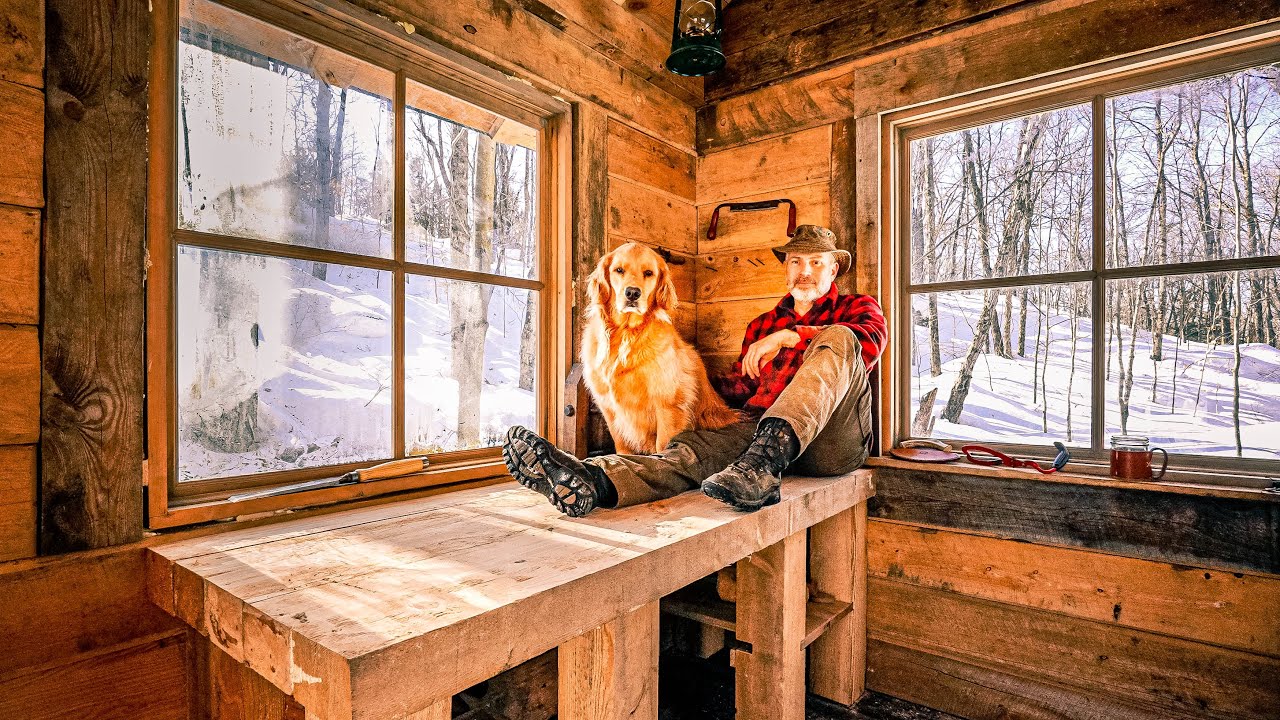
321,365
1191,411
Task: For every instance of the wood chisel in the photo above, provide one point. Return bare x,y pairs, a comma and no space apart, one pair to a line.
392,469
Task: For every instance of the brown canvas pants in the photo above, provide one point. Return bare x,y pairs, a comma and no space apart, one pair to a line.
827,404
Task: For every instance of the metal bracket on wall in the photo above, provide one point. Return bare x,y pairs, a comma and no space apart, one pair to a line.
753,207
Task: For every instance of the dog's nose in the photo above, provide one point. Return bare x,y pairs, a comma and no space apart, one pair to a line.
632,293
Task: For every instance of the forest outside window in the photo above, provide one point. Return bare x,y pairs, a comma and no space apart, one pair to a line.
1100,268
356,263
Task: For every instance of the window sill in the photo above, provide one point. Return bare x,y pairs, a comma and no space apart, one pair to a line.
1181,487
439,478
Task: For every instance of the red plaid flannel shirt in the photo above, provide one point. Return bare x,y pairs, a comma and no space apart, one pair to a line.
859,313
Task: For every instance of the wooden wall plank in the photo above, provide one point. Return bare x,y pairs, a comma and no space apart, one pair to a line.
19,265
796,159
1223,608
741,275
20,378
1033,38
765,228
614,32
1225,533
91,444
721,326
22,52
591,202
505,33
749,24
844,204
790,105
22,136
654,218
1167,673
867,203
1043,38
981,693
648,161
142,681
819,39
17,502
58,608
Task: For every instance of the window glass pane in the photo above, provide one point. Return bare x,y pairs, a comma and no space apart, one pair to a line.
1192,362
279,138
281,364
471,365
1193,170
1012,383
471,186
1004,199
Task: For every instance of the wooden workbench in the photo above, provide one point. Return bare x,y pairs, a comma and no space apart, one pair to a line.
385,612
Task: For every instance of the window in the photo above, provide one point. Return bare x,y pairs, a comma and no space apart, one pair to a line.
352,264
1103,261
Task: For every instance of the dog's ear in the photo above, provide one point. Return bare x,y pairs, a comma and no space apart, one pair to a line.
599,291
664,297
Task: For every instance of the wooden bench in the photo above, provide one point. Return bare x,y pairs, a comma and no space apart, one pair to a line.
385,612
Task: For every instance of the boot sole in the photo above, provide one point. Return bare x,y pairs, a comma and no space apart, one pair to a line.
528,456
718,492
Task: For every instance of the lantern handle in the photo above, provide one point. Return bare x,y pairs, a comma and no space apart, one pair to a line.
755,206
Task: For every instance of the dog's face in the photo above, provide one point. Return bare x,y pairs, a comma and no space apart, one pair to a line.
631,282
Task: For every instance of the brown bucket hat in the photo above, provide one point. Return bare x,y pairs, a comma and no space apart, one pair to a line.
815,239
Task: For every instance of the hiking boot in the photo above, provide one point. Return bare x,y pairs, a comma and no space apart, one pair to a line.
751,482
573,487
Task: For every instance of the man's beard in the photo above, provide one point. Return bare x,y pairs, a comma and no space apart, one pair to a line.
808,293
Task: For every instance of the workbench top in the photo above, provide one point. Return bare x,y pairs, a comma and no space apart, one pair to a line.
378,611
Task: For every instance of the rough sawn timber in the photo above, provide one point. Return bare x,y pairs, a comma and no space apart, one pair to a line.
383,611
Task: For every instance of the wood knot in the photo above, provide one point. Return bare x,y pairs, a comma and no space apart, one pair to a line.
73,109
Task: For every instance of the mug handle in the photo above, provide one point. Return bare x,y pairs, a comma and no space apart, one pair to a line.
1164,465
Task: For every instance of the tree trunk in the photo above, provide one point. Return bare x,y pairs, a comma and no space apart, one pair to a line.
1019,217
324,172
471,187
528,335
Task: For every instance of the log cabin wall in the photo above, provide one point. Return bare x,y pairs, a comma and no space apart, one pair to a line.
81,639
990,597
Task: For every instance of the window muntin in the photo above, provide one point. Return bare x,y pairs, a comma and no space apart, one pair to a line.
1157,288
302,341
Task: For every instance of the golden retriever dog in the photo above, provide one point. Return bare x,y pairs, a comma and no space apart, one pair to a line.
649,383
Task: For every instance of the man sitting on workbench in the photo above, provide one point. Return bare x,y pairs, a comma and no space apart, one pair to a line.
803,374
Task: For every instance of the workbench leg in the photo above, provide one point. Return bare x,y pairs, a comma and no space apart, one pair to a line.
838,569
771,617
611,673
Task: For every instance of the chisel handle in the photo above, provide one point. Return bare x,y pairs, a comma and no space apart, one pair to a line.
395,468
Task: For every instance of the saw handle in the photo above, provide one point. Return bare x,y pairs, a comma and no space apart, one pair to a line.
395,468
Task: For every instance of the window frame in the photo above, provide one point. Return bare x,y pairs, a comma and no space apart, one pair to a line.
1094,85
409,58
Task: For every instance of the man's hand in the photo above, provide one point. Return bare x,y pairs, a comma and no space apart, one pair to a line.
765,350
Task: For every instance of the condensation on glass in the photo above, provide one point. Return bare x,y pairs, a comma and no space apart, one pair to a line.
277,368
280,138
287,147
